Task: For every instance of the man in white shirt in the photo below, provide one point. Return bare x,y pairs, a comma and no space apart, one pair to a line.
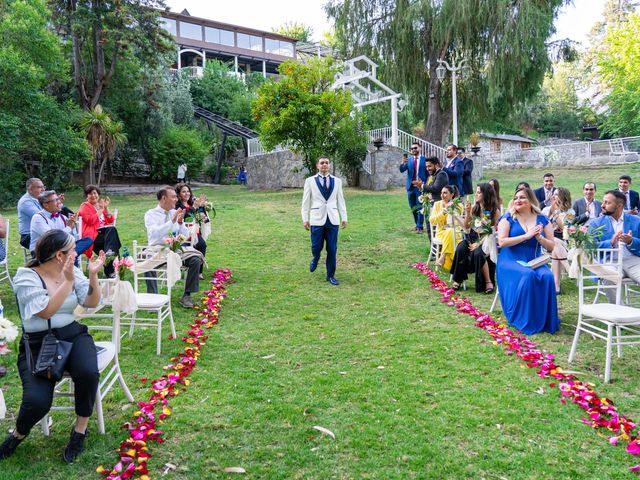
50,218
182,172
587,208
28,206
619,226
323,210
159,222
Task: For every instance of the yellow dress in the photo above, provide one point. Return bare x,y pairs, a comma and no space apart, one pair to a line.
439,217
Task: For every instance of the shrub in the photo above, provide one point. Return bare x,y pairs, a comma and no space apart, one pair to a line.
175,145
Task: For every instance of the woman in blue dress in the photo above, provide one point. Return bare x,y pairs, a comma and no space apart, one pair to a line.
528,295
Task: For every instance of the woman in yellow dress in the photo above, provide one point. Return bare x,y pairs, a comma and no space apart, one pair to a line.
440,217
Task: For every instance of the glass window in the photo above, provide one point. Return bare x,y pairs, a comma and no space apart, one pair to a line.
244,41
256,43
169,24
190,30
212,35
271,45
226,38
286,49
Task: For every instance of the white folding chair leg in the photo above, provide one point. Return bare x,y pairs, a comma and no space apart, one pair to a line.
172,324
159,335
44,423
576,336
495,301
99,413
607,363
619,341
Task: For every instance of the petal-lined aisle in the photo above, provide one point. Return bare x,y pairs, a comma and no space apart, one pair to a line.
601,412
134,451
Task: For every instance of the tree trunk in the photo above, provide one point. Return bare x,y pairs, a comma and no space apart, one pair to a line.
101,171
438,121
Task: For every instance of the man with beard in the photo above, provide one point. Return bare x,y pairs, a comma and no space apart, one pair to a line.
619,227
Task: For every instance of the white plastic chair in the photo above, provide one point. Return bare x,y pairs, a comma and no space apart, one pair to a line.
107,362
436,244
4,264
157,304
614,323
604,256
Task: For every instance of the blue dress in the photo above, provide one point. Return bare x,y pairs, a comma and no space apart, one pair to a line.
528,295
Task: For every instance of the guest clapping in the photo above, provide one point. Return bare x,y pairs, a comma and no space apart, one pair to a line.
560,215
97,223
440,217
51,288
470,256
527,294
193,206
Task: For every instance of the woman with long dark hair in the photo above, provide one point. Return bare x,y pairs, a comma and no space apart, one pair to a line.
50,288
192,207
470,257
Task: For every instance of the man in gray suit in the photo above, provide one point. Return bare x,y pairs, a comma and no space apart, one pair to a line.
587,208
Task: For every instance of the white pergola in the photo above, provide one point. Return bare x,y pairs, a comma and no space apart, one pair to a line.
366,89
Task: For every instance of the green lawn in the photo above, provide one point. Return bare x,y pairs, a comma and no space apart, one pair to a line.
410,388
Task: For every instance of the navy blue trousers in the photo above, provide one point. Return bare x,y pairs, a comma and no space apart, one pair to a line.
326,234
415,205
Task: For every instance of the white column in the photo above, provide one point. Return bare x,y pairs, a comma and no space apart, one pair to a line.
394,121
455,108
179,59
264,69
235,63
204,60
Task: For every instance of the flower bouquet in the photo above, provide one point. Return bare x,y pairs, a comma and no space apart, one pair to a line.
124,297
8,333
174,242
124,265
482,226
583,243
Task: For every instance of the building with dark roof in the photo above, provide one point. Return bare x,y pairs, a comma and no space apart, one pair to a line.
247,49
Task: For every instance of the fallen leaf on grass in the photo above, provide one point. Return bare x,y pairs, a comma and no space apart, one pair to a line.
235,470
342,373
168,467
381,367
267,357
540,391
325,431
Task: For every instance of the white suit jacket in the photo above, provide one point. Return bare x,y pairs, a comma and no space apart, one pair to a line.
315,208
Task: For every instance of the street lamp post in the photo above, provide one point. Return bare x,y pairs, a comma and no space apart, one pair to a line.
441,71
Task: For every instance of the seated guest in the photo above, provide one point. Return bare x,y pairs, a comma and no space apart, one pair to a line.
3,234
587,208
191,205
496,188
632,198
619,226
28,206
470,256
560,214
527,294
162,220
544,193
440,218
97,223
50,218
51,288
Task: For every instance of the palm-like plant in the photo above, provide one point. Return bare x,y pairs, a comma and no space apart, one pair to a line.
103,136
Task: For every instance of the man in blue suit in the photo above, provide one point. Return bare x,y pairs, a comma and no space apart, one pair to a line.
620,227
632,199
545,193
416,169
323,210
454,168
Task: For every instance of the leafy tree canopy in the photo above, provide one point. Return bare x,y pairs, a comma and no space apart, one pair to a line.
302,111
296,30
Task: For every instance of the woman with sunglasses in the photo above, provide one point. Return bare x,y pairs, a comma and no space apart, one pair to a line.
51,288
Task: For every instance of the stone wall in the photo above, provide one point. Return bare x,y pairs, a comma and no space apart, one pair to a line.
384,167
274,171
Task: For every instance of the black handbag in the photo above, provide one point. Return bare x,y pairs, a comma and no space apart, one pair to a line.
53,355
52,358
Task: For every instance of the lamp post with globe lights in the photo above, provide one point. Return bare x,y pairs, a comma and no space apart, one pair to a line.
441,71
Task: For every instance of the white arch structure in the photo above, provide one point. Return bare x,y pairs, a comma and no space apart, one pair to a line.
359,82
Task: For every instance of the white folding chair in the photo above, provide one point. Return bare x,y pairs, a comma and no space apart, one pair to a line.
436,244
614,323
115,217
4,264
156,304
603,256
107,362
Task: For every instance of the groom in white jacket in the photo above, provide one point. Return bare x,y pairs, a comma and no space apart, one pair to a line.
323,208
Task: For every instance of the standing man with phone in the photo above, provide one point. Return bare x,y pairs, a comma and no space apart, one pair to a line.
415,166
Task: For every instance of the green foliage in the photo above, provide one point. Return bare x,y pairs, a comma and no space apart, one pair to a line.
301,111
503,42
351,147
34,128
175,145
222,93
619,71
296,30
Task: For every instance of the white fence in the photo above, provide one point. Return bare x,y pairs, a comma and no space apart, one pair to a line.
599,152
255,148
